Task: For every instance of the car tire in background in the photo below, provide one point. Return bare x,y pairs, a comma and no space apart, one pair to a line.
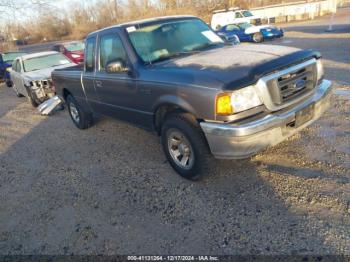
9,83
32,97
258,37
185,146
80,118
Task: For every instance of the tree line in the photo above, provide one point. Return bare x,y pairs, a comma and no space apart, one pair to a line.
75,22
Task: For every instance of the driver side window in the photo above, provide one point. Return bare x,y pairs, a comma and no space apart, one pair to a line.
111,49
238,15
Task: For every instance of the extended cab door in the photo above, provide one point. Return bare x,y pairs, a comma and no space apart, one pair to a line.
118,90
89,73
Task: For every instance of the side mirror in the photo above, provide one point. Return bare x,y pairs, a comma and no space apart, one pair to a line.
117,66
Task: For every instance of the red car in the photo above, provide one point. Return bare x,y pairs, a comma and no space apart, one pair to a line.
73,50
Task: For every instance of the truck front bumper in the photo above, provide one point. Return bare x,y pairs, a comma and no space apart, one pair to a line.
238,141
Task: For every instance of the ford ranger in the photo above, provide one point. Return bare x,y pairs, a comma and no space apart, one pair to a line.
175,76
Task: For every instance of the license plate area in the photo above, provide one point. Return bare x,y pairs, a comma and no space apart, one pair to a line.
304,115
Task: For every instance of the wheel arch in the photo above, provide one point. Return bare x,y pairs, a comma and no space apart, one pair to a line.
166,107
66,93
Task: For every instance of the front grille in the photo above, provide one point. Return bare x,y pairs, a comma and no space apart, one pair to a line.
42,83
292,85
287,86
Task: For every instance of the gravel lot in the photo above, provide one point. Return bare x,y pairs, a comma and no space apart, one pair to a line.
109,190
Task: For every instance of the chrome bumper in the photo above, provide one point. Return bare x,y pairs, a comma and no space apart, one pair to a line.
237,141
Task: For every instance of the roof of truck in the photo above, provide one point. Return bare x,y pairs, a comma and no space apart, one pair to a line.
144,21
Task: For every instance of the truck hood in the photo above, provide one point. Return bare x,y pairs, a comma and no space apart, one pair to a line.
43,74
234,66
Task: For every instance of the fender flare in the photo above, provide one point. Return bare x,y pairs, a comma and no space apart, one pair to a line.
173,100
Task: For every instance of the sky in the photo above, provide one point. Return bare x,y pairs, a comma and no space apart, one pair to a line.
21,9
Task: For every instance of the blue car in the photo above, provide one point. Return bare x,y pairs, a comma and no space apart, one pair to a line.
250,33
5,63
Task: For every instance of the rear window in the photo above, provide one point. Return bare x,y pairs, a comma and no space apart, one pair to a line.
42,62
247,13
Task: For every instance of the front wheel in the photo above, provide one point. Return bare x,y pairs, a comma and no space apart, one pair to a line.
80,118
185,146
9,83
16,91
32,97
258,38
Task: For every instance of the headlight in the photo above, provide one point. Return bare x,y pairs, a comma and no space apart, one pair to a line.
238,101
320,71
8,69
244,99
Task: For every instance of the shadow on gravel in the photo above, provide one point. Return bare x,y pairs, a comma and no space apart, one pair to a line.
6,103
304,173
109,190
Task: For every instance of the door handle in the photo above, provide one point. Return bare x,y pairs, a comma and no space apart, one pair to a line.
98,83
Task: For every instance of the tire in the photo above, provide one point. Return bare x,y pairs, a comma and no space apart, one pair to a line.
16,91
183,127
258,38
32,97
9,83
80,118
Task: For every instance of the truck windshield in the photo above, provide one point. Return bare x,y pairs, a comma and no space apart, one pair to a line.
165,40
247,13
73,47
42,62
9,57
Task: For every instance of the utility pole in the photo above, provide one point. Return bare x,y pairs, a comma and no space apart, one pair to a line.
334,11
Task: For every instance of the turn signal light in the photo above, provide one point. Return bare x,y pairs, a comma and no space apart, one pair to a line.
223,105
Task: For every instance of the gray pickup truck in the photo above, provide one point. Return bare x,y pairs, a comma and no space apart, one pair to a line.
205,98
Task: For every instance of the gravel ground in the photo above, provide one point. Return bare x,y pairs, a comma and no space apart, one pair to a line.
109,190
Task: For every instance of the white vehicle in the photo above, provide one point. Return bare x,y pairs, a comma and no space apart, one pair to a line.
224,17
31,75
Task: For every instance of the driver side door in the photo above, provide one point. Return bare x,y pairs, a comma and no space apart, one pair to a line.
117,91
17,78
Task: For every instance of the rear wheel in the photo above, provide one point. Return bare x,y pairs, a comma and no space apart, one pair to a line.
258,37
185,146
80,118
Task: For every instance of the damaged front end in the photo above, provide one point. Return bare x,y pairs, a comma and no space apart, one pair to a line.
51,105
42,90
44,94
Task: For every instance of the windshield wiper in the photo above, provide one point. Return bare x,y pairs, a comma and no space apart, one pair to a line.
170,56
205,46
